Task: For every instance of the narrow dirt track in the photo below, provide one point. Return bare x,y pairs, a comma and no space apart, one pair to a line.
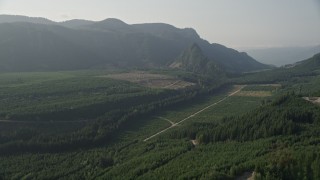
172,123
172,84
194,114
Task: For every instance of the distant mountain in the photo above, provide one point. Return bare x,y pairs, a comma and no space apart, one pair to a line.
167,31
193,60
29,47
111,25
17,18
76,23
37,44
310,64
282,56
232,60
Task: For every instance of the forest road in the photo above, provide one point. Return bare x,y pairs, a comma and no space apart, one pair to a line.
238,89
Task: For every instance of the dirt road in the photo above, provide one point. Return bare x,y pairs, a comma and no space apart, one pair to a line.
238,89
172,84
172,123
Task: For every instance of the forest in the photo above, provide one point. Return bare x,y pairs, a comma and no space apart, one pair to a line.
83,125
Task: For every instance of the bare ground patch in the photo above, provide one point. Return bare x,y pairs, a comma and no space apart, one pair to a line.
315,100
236,88
254,93
194,142
151,80
272,85
247,176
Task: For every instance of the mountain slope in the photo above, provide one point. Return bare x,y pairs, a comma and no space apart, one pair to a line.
231,59
17,18
84,44
311,63
27,47
193,60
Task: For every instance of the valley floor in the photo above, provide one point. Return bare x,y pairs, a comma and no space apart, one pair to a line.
137,157
265,129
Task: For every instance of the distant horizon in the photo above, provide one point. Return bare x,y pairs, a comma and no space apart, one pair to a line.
246,24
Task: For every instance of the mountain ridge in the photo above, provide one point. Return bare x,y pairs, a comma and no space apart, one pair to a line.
111,42
4,18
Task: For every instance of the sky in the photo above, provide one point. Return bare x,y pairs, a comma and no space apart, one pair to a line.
239,24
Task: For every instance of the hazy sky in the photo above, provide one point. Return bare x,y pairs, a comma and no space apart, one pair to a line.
238,24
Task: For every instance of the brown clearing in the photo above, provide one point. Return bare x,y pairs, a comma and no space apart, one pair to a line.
194,142
254,93
272,85
247,176
315,100
151,80
236,88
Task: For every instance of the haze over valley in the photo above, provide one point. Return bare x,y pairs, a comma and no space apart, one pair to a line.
180,89
281,56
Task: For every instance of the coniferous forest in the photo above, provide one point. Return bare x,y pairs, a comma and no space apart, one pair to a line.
95,127
110,100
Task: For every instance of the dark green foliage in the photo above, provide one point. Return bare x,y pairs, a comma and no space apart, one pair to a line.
276,138
286,115
66,99
289,164
78,112
105,162
173,159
